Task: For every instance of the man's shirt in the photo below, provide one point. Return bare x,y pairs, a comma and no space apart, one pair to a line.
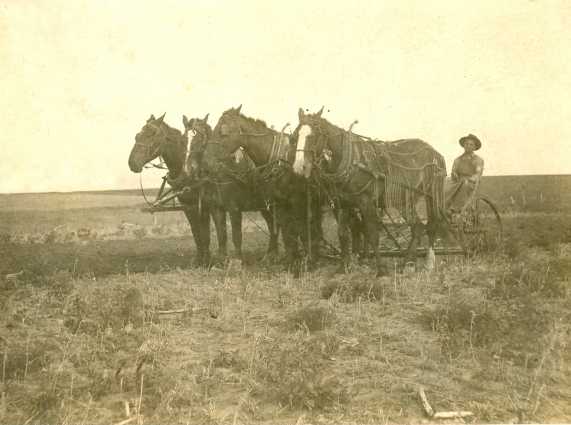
467,165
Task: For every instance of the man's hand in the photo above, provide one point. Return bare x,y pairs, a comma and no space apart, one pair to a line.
473,180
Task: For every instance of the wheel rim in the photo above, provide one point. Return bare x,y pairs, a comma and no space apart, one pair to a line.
482,229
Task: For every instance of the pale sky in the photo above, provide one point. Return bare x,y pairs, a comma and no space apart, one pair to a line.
78,79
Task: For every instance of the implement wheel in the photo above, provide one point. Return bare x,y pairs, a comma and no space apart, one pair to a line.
480,227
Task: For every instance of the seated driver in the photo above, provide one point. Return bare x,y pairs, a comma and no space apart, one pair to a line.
466,173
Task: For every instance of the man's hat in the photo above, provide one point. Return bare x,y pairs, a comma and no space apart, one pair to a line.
473,138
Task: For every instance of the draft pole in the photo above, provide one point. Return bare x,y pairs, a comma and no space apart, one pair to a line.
162,188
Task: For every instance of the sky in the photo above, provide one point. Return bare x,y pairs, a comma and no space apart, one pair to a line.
78,79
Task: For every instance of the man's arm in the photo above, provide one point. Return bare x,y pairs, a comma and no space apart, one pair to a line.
479,170
454,172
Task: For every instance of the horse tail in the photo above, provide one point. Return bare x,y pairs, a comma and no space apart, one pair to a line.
435,175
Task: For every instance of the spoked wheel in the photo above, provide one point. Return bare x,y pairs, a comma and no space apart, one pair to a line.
480,227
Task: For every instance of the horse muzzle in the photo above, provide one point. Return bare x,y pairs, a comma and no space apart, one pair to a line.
134,164
303,168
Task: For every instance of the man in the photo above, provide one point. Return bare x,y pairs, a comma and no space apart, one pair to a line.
466,173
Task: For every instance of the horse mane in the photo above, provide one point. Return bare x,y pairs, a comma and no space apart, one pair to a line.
257,124
324,120
173,132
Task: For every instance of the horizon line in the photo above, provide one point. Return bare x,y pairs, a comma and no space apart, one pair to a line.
156,188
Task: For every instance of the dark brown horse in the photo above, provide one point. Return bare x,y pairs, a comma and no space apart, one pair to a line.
297,208
373,177
156,139
227,187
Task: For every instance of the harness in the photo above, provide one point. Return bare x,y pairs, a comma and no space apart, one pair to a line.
394,178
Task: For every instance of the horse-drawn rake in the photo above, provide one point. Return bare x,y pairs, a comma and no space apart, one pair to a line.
392,186
476,230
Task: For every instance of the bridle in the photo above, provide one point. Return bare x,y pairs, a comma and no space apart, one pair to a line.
195,150
218,134
317,151
152,149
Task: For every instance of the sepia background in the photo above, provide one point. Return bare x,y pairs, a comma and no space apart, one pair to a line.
112,315
78,79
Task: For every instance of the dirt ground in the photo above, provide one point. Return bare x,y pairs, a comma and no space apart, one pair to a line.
105,320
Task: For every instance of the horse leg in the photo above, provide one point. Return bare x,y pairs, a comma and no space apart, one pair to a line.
316,230
205,234
273,229
343,234
309,228
219,216
416,230
236,222
435,225
369,213
357,235
201,233
430,259
289,238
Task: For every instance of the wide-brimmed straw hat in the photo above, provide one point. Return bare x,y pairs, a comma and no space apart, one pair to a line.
473,138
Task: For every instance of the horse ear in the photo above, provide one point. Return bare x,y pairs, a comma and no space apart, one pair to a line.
320,112
205,119
300,113
238,109
162,117
152,117
185,121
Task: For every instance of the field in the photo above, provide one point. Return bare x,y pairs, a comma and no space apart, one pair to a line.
105,321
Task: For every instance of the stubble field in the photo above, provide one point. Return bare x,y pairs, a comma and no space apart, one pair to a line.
104,320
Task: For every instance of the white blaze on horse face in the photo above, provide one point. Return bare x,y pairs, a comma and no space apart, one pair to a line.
299,162
189,139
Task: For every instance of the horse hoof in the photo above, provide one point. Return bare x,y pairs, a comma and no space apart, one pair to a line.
234,265
294,270
312,265
201,262
270,258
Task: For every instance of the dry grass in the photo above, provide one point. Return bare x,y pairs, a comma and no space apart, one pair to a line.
98,343
249,347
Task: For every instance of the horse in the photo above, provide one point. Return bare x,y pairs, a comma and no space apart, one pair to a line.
297,206
158,139
373,177
227,187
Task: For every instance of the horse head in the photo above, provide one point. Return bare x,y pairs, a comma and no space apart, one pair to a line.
229,128
234,130
310,142
149,143
197,132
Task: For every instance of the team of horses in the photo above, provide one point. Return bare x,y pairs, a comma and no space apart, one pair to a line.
243,165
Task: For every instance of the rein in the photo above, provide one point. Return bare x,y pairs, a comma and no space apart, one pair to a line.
273,167
150,204
176,183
